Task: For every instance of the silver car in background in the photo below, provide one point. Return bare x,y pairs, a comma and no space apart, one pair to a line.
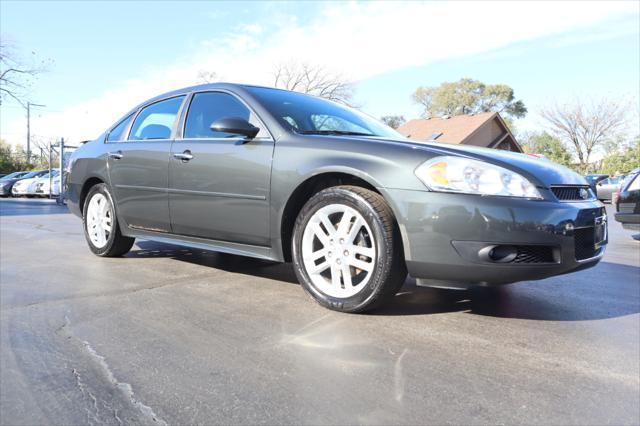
606,188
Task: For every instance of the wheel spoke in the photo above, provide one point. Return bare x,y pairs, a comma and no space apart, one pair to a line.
316,255
104,208
316,269
355,229
345,222
335,275
100,236
364,251
359,264
346,276
327,224
322,236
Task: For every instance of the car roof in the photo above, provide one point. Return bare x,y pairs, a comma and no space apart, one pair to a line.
207,86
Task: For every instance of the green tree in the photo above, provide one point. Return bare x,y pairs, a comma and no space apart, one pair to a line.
468,96
623,158
547,145
393,121
11,159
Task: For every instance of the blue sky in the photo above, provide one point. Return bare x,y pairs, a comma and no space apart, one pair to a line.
108,56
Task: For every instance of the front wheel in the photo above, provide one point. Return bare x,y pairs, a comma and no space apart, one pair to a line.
347,249
101,224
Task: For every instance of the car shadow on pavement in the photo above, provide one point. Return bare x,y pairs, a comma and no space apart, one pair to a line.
578,297
547,300
223,261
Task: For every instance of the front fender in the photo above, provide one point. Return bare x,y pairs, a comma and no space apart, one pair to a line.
297,159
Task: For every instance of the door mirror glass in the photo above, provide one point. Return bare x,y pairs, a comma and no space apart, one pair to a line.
235,126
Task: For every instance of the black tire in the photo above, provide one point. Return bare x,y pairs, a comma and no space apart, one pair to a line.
117,244
389,272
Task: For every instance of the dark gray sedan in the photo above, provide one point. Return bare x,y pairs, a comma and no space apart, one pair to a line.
284,176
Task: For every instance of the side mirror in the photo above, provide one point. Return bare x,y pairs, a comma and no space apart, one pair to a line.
236,126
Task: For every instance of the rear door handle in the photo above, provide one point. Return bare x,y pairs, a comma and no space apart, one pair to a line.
184,156
116,155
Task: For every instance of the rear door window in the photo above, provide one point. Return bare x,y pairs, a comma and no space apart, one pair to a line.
156,120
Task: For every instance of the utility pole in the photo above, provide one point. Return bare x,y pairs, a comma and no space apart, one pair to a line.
29,105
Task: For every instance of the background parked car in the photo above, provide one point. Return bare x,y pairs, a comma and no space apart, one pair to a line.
46,185
606,187
593,179
6,182
21,187
628,202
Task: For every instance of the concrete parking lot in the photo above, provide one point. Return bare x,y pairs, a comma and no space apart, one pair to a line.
180,336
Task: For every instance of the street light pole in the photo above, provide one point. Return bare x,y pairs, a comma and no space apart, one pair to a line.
29,105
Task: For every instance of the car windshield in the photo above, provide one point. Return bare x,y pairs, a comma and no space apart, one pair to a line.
12,175
593,178
32,174
306,114
54,173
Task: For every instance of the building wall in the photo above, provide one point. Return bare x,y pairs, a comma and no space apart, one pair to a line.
486,135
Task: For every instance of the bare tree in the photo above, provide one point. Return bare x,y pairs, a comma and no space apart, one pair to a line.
314,80
205,77
15,76
585,127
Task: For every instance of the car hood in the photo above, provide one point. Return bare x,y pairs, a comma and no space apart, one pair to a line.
29,181
540,171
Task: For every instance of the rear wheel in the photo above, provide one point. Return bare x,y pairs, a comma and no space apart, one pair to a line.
346,249
101,228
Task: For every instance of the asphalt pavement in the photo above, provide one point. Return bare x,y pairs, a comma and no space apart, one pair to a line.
169,335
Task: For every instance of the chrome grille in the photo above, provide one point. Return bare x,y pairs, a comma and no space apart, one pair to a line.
572,193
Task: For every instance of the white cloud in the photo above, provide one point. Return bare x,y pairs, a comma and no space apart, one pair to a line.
359,40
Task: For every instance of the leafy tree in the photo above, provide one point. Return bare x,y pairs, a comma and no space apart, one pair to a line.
393,121
623,158
586,126
547,145
12,160
468,96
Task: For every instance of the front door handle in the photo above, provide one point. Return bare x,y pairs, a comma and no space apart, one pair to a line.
184,156
116,155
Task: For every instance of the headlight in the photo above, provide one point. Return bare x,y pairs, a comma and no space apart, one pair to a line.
467,176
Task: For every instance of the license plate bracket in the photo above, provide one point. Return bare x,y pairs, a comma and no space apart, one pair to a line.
600,231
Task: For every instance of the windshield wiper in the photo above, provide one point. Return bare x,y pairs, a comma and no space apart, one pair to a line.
333,132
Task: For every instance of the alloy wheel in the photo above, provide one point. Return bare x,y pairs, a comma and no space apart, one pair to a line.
99,220
338,251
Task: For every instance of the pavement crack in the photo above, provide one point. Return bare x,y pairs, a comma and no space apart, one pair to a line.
123,388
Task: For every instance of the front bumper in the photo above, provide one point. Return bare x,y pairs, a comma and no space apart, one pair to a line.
447,236
18,191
